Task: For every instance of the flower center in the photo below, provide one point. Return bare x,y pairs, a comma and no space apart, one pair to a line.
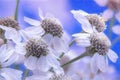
36,47
60,77
9,23
52,27
100,43
114,5
97,21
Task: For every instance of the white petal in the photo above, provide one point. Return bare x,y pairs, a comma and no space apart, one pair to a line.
41,14
102,62
93,64
52,60
20,49
116,29
42,64
59,45
80,17
101,2
7,55
37,77
82,39
11,33
31,62
118,16
13,59
107,14
32,21
112,55
48,38
11,74
31,32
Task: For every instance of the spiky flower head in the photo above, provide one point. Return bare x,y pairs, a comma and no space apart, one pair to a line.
36,47
52,26
97,21
99,43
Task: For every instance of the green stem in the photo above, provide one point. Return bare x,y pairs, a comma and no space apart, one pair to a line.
115,40
75,59
71,43
111,25
26,73
16,10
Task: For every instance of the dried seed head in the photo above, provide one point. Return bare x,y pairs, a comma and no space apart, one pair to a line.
51,26
97,21
36,47
100,43
114,5
9,23
60,77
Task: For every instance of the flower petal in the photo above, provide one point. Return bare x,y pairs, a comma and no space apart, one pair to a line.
118,16
80,17
42,64
102,62
107,14
93,64
116,29
32,21
41,14
31,62
101,2
112,55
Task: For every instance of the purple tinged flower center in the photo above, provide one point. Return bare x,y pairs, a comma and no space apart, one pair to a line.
36,47
52,27
99,44
60,77
9,23
97,22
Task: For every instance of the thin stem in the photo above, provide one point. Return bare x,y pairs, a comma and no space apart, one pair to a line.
111,25
16,10
26,73
75,59
71,43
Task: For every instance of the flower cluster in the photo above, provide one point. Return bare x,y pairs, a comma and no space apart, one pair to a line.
44,48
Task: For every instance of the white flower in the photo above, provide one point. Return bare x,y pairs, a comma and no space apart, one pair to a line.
39,55
89,22
53,31
113,8
7,57
99,45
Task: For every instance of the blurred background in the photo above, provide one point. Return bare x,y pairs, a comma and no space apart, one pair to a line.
61,10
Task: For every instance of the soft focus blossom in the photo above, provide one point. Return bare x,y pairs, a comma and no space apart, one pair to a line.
113,8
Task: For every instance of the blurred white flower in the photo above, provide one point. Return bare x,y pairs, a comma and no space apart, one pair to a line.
89,22
113,8
116,29
7,57
53,31
38,55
